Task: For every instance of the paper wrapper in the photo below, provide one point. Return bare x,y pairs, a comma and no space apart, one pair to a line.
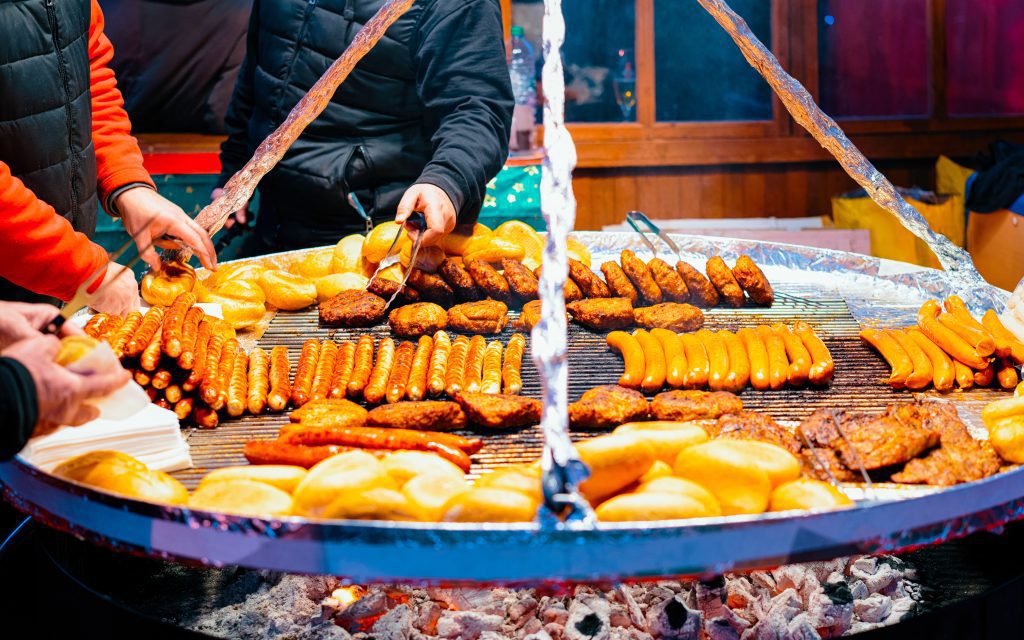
121,404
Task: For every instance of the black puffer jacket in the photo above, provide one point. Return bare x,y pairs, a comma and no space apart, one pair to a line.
431,103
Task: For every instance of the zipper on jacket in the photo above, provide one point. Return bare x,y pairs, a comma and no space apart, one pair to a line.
51,14
310,5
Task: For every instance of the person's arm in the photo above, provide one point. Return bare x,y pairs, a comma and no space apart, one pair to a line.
464,85
18,405
234,151
42,252
118,157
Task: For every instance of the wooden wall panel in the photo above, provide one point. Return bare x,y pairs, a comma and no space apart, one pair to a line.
732,191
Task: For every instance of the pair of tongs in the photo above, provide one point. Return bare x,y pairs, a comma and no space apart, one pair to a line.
82,297
415,221
636,216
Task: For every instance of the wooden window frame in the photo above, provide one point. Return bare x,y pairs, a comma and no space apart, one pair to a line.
794,28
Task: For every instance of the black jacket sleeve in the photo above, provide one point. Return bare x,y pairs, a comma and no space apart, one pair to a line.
234,151
19,407
467,95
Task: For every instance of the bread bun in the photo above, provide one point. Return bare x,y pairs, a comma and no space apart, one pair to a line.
395,272
242,302
376,503
74,348
493,249
80,466
347,256
682,486
247,270
284,477
331,285
668,438
1007,438
521,479
484,504
525,236
123,475
455,243
428,259
780,465
738,483
160,289
242,497
807,493
314,265
279,262
345,473
577,250
430,493
403,466
642,507
287,291
658,470
379,241
616,461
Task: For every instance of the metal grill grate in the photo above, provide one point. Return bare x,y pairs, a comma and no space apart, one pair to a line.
858,384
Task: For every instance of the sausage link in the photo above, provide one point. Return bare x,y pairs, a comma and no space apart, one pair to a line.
438,363
739,363
718,359
456,374
190,336
343,366
778,361
162,403
161,379
946,338
125,332
655,366
362,367
377,386
208,389
277,452
398,379
1007,375
150,358
417,388
381,438
259,381
174,318
225,368
205,417
797,354
696,360
490,381
152,394
110,329
95,325
321,386
142,378
195,376
280,379
964,374
1006,342
822,366
302,385
944,373
512,367
968,327
675,356
633,357
757,356
922,374
238,385
150,325
474,364
985,377
183,408
173,393
894,354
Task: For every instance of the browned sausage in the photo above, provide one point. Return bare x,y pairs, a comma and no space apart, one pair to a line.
721,276
144,336
343,367
511,368
438,363
280,383
321,386
455,379
259,381
304,372
398,379
417,387
377,386
474,364
702,292
174,319
125,332
238,385
189,337
362,367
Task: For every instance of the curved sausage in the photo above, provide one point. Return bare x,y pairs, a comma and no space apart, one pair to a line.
697,360
302,386
456,375
964,374
438,363
968,328
985,377
190,333
324,372
511,368
944,373
635,365
718,359
739,363
198,357
417,387
125,332
280,375
1006,342
943,336
799,357
398,379
922,374
1007,375
675,356
822,365
377,386
343,366
654,362
362,367
894,354
149,326
778,361
174,320
757,355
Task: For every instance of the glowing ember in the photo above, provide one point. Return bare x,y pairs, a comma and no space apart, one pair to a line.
347,595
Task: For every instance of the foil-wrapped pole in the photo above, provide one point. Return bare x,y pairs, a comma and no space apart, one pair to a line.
242,185
806,112
562,468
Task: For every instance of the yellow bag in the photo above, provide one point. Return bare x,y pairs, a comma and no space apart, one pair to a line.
889,239
951,177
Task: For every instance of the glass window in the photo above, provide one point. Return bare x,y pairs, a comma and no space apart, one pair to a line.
984,57
600,72
873,58
700,73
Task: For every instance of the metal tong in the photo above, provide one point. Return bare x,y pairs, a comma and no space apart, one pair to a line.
633,217
417,221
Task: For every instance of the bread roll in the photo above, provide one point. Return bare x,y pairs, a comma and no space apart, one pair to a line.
331,285
521,479
1007,437
616,461
658,470
682,486
247,270
379,241
77,468
375,503
403,466
242,497
780,465
807,493
121,474
668,438
738,483
455,243
161,288
429,493
345,473
284,477
347,255
314,265
287,291
483,504
577,251
493,249
641,507
525,236
395,272
73,348
242,302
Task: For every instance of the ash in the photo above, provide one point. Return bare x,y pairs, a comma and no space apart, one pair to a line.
808,601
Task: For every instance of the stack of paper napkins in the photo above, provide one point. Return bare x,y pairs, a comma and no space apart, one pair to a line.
151,435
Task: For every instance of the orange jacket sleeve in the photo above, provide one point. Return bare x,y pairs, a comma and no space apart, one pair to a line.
40,250
118,158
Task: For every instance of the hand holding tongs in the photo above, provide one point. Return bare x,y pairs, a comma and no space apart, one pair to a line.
633,216
415,221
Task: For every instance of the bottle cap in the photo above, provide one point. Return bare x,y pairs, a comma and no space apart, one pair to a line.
516,31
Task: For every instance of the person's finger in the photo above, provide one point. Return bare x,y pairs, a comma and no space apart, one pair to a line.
243,215
71,329
199,242
435,224
148,253
407,205
47,346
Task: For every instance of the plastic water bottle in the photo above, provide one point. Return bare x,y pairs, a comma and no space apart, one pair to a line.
524,85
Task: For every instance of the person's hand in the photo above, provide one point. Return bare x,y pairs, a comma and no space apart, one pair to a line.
118,294
139,205
241,216
436,206
21,320
62,394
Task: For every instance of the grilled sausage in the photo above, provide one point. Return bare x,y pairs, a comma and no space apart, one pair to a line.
225,368
893,353
697,360
799,358
655,365
189,336
985,377
753,281
964,374
969,328
161,379
183,408
277,452
173,393
438,363
377,386
511,368
150,358
490,380
944,373
417,387
456,375
757,355
633,357
174,319
205,417
739,363
718,359
1006,342
922,374
302,385
163,403
398,379
362,367
721,276
675,357
238,385
778,361
280,383
142,378
324,372
125,332
1006,374
822,365
150,325
95,326
343,366
473,375
381,438
195,358
951,343
259,381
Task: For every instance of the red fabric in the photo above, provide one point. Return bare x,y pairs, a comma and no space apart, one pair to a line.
41,251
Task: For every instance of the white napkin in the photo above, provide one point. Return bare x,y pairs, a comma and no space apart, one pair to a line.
152,435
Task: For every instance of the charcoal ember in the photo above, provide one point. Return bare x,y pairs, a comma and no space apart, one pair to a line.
427,615
618,616
522,609
539,635
588,619
822,570
901,608
396,624
720,629
859,590
877,576
493,635
636,614
671,619
741,597
763,580
555,613
530,627
711,597
369,607
480,600
629,633
554,630
874,608
832,610
467,625
801,627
